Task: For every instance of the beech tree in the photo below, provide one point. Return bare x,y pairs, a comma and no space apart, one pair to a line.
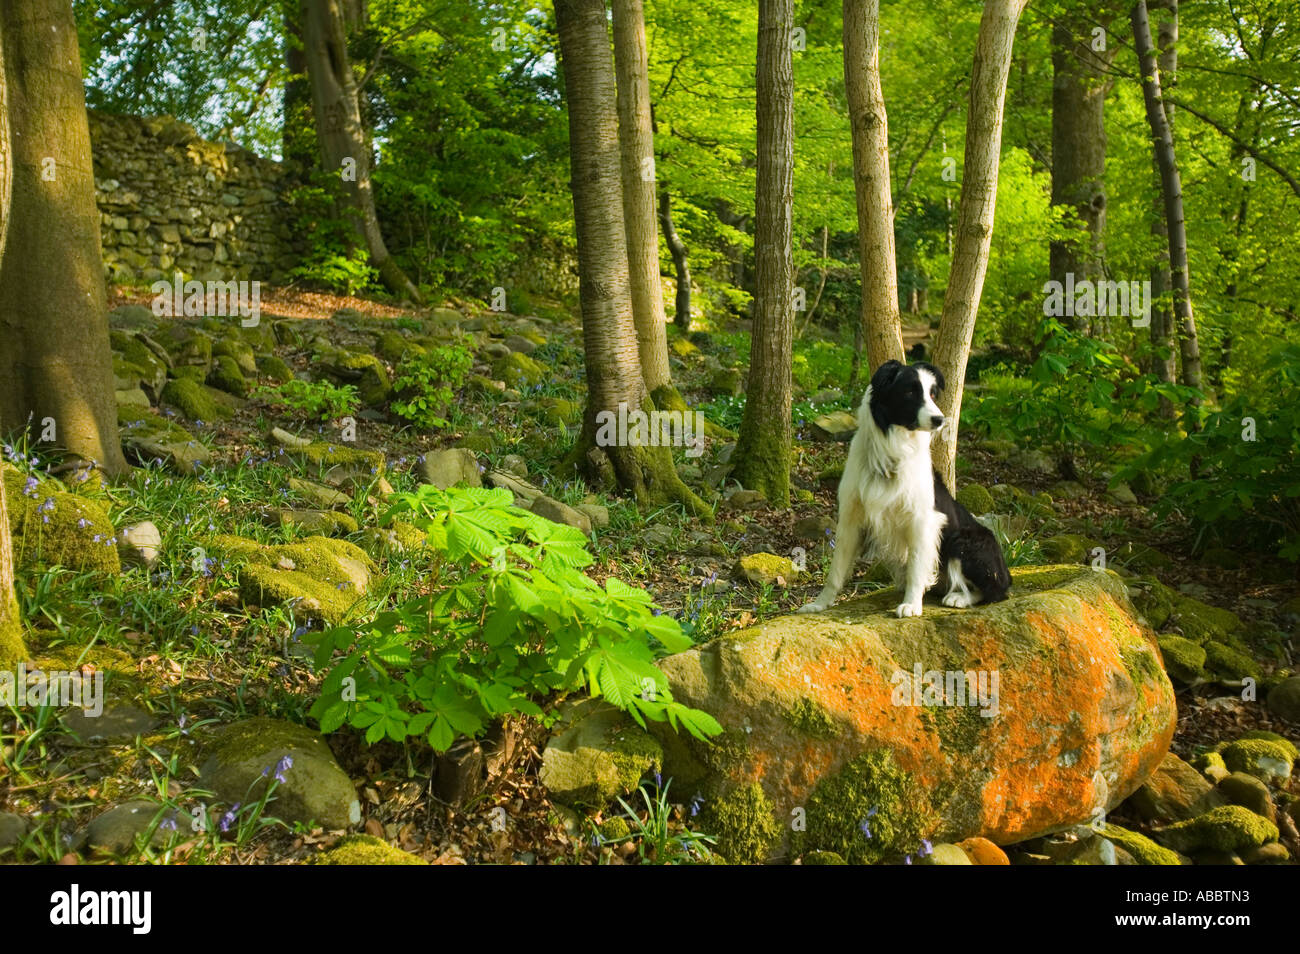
343,141
763,450
881,328
1171,186
11,638
974,233
610,352
636,138
1080,80
56,372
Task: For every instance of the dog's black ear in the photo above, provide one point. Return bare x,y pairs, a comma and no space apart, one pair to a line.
938,375
884,376
880,383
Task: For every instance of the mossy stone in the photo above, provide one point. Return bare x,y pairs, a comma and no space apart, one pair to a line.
823,858
743,823
765,569
1226,828
596,754
976,499
1228,662
243,756
193,400
1201,621
1143,850
1263,758
518,370
52,527
240,351
319,577
1184,660
273,367
1067,548
870,791
366,850
227,376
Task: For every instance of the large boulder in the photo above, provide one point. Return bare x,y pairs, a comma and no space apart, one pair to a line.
836,724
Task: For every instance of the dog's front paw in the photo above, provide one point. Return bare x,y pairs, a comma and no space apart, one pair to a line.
816,606
957,600
908,609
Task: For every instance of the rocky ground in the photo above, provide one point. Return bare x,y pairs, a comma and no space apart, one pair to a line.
248,524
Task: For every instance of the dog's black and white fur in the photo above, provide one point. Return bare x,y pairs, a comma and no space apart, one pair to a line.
892,496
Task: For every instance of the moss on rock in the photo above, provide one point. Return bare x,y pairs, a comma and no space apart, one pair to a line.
596,755
194,400
227,376
975,498
518,370
870,791
1143,849
1228,662
50,526
320,577
1263,758
366,850
1184,660
1226,828
765,569
743,823
811,719
275,368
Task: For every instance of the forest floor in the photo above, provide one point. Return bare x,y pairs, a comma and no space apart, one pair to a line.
203,657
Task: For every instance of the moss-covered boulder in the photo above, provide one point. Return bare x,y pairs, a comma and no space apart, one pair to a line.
1264,758
246,756
320,578
519,370
239,351
1226,828
148,437
1141,848
50,526
1184,660
366,850
1067,548
1201,622
136,365
765,569
1004,721
976,498
226,376
326,523
339,464
274,368
194,400
1228,662
595,755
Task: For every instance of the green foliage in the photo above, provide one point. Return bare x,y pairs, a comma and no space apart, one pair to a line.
658,840
318,399
332,258
508,619
1245,459
426,383
1081,396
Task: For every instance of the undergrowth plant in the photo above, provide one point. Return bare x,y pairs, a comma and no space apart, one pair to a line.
318,399
507,620
426,383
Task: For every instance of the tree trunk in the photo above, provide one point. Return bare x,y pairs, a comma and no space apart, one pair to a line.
298,146
883,333
636,139
55,361
1172,190
681,266
1164,359
342,135
610,350
12,650
979,188
1079,152
763,450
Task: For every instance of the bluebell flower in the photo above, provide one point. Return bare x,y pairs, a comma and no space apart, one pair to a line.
228,818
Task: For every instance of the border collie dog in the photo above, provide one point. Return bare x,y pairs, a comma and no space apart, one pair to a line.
892,496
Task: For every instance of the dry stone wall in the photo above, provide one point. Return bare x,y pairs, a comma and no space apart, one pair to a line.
171,201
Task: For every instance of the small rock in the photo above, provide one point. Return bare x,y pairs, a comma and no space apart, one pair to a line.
944,854
1273,853
838,426
285,439
520,343
139,544
981,851
514,464
657,536
1174,792
598,514
1242,789
12,829
115,830
814,528
446,468
116,723
765,568
1284,699
746,500
560,512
